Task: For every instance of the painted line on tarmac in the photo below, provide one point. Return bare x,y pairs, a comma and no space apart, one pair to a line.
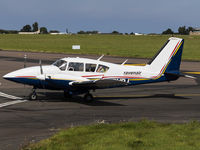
192,72
9,96
190,95
17,100
12,103
149,95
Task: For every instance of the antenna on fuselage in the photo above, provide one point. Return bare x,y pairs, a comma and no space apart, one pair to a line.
100,57
124,62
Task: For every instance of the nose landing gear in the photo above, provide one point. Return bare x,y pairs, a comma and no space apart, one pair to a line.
33,95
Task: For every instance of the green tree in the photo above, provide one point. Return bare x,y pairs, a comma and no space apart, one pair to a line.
26,28
189,29
81,32
43,30
182,30
168,31
185,31
35,27
54,31
115,32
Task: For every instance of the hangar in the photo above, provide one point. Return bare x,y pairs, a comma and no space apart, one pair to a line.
195,32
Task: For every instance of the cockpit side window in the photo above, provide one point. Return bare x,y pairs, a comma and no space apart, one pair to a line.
90,67
102,68
61,64
75,66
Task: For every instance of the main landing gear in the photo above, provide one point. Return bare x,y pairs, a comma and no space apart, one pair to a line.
88,98
33,95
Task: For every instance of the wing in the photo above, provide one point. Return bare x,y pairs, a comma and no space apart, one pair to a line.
99,84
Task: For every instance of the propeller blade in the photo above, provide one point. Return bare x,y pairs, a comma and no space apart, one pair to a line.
42,77
41,70
25,57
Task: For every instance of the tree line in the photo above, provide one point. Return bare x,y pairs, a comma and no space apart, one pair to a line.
34,28
29,28
183,30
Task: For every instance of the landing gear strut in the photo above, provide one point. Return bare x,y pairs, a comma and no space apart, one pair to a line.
88,97
33,95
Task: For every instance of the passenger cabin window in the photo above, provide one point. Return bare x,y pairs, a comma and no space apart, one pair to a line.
61,64
90,67
102,69
75,66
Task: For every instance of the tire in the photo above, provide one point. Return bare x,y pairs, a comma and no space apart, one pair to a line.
88,98
33,96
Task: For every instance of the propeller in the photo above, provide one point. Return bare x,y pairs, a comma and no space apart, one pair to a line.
42,77
25,57
41,70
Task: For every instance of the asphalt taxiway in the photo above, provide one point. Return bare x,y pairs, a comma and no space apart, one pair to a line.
23,121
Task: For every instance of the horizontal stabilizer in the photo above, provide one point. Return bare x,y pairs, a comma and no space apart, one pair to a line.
188,76
174,75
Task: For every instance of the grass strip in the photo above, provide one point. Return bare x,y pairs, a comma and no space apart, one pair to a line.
142,135
116,45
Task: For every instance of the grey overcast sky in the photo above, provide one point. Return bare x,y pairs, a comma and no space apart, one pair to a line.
144,16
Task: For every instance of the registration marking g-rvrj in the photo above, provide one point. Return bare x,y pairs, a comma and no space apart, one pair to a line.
17,100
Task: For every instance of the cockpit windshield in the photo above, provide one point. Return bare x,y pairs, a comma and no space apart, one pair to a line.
61,64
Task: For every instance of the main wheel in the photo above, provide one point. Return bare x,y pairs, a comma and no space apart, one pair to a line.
33,96
88,98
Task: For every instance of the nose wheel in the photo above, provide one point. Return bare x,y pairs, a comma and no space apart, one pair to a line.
33,95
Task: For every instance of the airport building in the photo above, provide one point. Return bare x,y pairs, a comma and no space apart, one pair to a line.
195,32
37,32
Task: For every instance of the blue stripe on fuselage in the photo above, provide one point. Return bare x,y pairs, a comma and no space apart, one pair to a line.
47,84
57,84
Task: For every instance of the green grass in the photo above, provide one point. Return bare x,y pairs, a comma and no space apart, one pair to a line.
115,45
143,135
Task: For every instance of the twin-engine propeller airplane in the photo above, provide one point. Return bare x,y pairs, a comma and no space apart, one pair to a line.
81,75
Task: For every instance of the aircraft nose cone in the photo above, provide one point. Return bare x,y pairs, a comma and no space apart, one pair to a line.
5,76
15,76
8,75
